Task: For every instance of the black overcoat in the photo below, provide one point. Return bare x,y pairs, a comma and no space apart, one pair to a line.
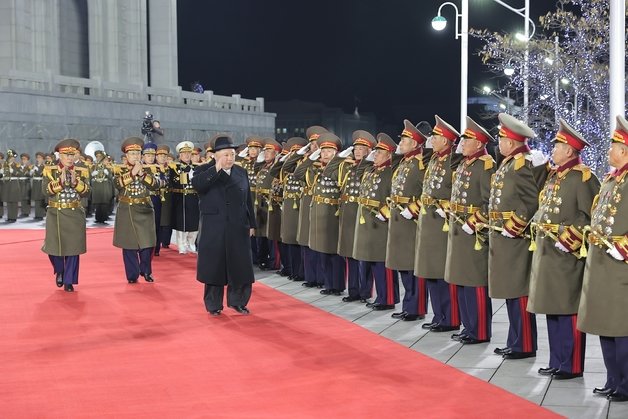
226,209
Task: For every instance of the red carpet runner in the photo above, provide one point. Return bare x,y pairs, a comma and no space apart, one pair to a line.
149,350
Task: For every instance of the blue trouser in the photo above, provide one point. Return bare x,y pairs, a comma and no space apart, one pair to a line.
295,263
476,311
522,328
332,269
156,199
165,235
352,274
386,282
415,297
66,265
284,256
567,344
615,353
310,266
137,262
444,299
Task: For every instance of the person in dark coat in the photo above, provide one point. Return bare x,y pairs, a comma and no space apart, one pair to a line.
226,225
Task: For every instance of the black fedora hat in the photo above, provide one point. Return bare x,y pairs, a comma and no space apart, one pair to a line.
223,142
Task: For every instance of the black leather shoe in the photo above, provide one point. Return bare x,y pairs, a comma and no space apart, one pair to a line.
132,281
412,317
215,312
156,252
320,285
308,284
59,280
282,272
167,246
547,371
148,278
602,391
428,325
562,375
468,340
382,307
297,278
458,336
519,355
370,304
399,315
441,328
349,298
364,300
502,351
617,397
325,292
68,288
241,309
337,293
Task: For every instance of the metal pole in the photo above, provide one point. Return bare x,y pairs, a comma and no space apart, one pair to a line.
617,60
464,61
526,60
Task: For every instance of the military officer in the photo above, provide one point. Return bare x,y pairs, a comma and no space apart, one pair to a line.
557,266
515,189
11,188
603,310
37,195
290,208
267,251
196,155
467,248
371,226
149,156
102,187
247,159
25,184
164,231
65,184
306,173
134,230
350,172
431,231
407,183
185,212
323,236
273,228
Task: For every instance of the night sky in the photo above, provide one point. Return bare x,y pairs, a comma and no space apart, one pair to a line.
382,52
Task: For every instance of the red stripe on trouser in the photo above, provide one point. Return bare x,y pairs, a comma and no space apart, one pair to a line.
277,255
390,298
481,304
576,358
455,311
526,328
422,309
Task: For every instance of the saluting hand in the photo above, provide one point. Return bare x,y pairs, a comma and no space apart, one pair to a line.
73,178
137,168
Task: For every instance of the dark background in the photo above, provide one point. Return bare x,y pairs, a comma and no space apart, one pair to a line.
381,54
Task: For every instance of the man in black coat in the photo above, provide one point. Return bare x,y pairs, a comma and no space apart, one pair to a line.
226,225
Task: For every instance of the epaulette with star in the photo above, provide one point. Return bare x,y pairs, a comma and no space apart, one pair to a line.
488,161
586,171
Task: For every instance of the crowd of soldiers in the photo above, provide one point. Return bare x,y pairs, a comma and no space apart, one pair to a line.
433,209
436,211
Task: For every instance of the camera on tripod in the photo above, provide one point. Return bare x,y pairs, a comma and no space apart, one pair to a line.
147,124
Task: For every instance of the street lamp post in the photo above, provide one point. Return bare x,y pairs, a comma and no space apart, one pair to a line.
439,23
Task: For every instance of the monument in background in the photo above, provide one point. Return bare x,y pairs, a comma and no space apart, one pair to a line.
90,69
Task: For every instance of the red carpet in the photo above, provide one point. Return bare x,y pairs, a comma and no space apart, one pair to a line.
149,350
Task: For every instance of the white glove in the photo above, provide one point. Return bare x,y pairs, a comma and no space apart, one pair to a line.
380,217
398,150
244,152
346,153
467,229
303,150
260,158
315,155
283,158
615,254
406,214
106,171
94,173
11,170
507,234
560,247
371,156
191,174
440,212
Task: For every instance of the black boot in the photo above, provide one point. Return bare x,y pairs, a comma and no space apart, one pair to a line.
59,280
